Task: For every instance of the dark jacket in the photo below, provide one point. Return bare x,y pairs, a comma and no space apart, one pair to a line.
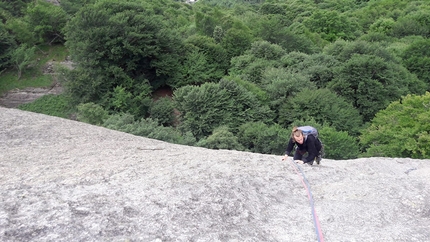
310,145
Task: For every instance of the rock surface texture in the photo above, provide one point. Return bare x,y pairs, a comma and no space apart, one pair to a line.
63,180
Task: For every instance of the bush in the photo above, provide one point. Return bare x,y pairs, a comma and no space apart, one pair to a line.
163,111
149,128
338,145
53,105
206,107
91,113
221,138
324,106
261,138
401,130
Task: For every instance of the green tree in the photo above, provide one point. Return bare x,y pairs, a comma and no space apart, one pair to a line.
332,25
91,113
383,25
370,83
277,30
416,58
236,41
338,145
73,6
7,44
323,106
14,8
202,108
21,31
163,111
321,68
400,130
415,23
46,21
280,84
205,61
122,44
221,138
259,137
255,60
22,57
206,107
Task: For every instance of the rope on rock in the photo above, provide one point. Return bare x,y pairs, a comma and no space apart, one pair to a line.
311,200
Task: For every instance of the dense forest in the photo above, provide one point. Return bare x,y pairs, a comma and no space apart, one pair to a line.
236,74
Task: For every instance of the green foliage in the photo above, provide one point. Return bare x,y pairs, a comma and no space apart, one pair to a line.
205,61
416,58
321,68
148,127
338,145
323,106
344,50
236,41
255,61
53,105
272,8
122,44
33,77
250,69
415,23
13,8
7,44
22,57
46,21
202,108
119,121
205,23
281,84
211,105
73,6
278,30
91,113
400,130
265,50
259,137
257,91
331,25
383,26
121,98
21,30
260,56
221,138
163,111
370,83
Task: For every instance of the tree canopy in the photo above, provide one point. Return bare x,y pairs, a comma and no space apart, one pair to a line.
242,72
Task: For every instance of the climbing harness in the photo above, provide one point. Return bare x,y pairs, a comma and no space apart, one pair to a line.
311,201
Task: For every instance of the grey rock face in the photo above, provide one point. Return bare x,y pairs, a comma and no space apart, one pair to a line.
62,180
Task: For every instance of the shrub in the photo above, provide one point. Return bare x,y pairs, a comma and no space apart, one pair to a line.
338,145
325,107
221,138
162,110
400,130
52,105
91,113
261,138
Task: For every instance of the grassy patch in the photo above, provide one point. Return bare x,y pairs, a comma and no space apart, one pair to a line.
53,105
33,77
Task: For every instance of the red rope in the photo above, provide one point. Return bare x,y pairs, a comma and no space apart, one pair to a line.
311,201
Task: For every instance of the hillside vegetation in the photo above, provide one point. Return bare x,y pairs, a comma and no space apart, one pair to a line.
239,74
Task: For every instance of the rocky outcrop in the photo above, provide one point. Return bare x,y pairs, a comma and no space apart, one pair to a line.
62,180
